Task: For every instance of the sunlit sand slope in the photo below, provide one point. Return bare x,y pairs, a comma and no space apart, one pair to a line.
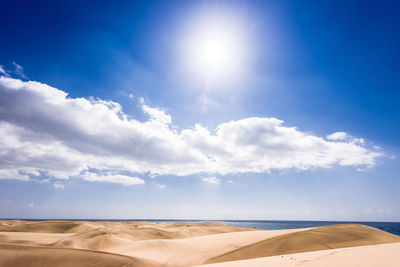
382,255
327,237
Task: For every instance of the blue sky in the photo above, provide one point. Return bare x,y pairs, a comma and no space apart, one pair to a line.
124,142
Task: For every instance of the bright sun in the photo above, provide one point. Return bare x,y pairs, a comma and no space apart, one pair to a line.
214,52
214,49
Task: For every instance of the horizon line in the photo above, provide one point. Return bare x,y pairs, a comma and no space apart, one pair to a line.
203,220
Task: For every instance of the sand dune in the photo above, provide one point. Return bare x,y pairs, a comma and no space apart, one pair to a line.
327,237
195,250
97,239
73,243
387,255
31,239
46,227
11,255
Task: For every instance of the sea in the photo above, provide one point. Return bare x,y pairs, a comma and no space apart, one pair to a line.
391,227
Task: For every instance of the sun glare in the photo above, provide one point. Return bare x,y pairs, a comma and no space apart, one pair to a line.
214,52
214,49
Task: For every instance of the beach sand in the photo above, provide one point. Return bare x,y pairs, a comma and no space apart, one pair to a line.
88,243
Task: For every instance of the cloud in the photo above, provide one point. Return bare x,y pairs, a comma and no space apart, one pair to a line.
19,71
211,180
3,71
337,136
58,185
161,186
112,178
43,130
12,174
156,115
43,181
30,205
342,136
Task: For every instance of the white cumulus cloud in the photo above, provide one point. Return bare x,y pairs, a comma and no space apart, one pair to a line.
44,131
7,173
337,136
342,136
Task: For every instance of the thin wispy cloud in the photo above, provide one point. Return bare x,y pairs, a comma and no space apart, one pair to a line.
112,178
19,71
3,71
58,185
161,186
211,180
44,130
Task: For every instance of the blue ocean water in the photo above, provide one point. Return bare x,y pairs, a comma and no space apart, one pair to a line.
391,227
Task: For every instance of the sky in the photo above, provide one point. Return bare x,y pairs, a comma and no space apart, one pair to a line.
252,110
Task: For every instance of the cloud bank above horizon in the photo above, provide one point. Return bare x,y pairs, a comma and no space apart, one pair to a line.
43,132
